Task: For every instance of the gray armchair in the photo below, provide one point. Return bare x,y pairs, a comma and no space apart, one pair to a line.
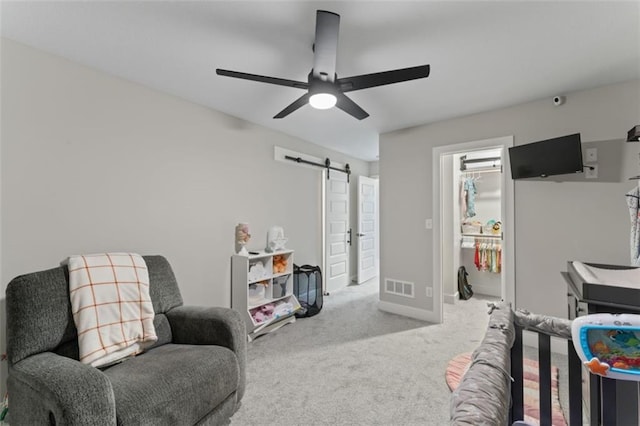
194,373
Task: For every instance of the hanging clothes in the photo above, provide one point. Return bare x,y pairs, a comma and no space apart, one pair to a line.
470,191
488,256
633,201
463,200
494,260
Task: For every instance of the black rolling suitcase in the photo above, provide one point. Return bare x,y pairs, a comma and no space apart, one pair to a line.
307,287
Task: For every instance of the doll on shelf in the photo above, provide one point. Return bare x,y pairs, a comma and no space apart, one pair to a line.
242,238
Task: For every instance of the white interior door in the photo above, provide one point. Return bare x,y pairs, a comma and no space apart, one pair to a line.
336,231
367,235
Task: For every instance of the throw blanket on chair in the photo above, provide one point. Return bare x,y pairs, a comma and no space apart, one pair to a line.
111,306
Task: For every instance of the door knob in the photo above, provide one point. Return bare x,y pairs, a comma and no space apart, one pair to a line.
360,235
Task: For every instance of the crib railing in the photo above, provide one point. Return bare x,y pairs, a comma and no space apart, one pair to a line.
544,374
610,402
492,389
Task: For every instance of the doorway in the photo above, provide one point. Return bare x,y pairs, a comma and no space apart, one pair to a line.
448,238
336,235
339,240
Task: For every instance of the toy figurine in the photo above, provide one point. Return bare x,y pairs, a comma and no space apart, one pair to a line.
242,238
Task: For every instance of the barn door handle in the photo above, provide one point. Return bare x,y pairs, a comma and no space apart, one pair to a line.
349,239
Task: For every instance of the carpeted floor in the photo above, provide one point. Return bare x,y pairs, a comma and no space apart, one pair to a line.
353,364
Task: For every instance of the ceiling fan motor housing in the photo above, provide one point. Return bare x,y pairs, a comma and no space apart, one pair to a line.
319,86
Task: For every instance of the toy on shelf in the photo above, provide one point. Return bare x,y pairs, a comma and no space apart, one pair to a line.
263,313
279,264
242,238
492,227
274,311
609,344
496,228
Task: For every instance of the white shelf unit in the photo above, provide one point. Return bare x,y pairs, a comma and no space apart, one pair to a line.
259,281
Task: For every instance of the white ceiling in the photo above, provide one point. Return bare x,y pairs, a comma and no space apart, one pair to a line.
483,55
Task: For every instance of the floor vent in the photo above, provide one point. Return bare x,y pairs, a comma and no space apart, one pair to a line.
399,288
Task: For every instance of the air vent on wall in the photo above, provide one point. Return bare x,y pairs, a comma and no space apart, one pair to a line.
399,288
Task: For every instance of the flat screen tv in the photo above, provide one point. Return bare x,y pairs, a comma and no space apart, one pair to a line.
557,156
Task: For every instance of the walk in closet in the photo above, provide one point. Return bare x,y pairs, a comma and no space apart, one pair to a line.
478,229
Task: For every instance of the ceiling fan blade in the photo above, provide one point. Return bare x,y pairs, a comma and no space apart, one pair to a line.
325,47
365,81
263,79
350,107
300,102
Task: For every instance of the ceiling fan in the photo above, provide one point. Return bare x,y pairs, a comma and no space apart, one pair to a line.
324,88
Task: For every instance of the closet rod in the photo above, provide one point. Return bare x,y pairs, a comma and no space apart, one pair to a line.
496,236
464,161
491,170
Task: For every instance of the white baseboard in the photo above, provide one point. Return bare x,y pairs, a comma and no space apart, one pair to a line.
451,299
487,290
408,311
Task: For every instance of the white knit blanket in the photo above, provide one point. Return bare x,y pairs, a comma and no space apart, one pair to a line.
111,306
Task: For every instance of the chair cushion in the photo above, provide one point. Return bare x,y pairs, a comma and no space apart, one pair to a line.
173,384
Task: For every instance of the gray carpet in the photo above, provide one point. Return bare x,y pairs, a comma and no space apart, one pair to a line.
353,364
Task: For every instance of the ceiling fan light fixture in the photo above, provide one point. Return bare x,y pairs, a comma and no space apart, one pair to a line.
322,100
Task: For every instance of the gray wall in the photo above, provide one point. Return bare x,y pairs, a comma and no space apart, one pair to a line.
373,168
93,163
555,221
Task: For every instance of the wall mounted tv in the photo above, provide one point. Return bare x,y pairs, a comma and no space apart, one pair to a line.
557,156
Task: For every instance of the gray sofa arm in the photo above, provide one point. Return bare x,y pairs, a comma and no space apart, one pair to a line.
197,325
51,389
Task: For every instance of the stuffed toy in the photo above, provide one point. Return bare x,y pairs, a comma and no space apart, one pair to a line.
242,238
258,316
279,264
263,313
496,227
